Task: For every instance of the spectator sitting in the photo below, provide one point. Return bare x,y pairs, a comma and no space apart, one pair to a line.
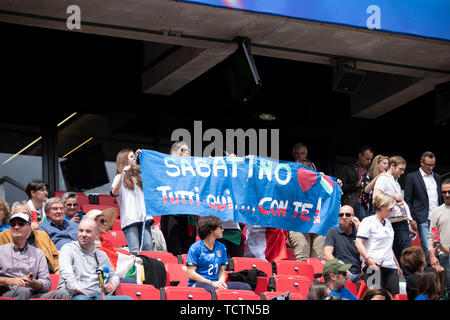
318,291
37,238
5,213
430,286
79,261
376,294
414,261
70,203
37,194
58,228
105,220
23,269
207,258
335,273
340,242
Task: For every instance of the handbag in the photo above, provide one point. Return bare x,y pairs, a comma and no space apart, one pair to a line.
400,209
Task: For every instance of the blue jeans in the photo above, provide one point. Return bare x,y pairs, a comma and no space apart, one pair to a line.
424,229
98,297
133,234
235,285
360,211
401,241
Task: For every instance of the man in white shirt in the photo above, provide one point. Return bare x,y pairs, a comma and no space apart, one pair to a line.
423,195
388,184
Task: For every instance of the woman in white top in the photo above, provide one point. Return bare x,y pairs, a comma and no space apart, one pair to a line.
374,243
127,187
37,194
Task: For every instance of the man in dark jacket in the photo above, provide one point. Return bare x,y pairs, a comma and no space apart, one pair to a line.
351,176
423,194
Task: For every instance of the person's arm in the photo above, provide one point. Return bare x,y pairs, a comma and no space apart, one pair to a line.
372,183
194,276
117,183
328,252
360,246
434,261
399,270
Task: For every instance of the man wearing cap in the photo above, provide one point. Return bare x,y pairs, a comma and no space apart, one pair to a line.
23,267
335,273
58,228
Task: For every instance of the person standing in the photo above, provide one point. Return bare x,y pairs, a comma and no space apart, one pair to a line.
440,218
374,243
37,194
379,166
351,176
179,229
423,195
401,220
127,187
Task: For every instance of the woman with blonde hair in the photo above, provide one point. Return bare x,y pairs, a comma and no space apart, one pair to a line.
374,243
5,214
378,167
127,187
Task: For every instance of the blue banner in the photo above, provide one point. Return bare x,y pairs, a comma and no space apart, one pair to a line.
257,191
424,18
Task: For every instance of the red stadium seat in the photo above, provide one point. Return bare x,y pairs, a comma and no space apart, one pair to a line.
294,284
176,272
164,257
117,237
183,258
88,207
184,293
294,268
270,294
6,298
317,264
138,291
352,287
227,294
54,278
401,296
243,263
106,199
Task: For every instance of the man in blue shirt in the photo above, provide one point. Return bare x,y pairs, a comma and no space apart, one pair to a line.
59,230
335,273
207,258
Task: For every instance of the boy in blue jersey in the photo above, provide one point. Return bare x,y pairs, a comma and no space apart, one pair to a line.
207,258
335,273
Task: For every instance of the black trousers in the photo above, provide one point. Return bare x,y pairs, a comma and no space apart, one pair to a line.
385,278
175,231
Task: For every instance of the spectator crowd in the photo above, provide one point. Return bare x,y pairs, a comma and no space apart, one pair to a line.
371,246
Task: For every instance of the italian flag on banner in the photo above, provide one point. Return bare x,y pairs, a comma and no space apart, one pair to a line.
265,243
122,263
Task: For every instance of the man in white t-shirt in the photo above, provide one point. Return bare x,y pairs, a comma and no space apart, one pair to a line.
388,183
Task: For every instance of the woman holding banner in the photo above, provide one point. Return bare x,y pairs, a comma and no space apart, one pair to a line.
127,187
179,230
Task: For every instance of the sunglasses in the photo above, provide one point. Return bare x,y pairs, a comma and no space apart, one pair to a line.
347,214
102,221
446,192
72,204
16,223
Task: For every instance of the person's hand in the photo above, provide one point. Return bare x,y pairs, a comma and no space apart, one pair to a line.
399,197
413,225
356,222
77,292
439,269
358,184
109,288
19,282
34,225
219,285
373,264
400,272
339,181
34,284
126,168
434,262
75,218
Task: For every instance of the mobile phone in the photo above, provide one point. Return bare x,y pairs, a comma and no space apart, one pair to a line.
80,214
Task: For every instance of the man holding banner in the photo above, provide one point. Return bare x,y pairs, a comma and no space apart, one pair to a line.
256,191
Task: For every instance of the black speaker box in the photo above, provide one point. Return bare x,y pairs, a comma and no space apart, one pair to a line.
347,79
